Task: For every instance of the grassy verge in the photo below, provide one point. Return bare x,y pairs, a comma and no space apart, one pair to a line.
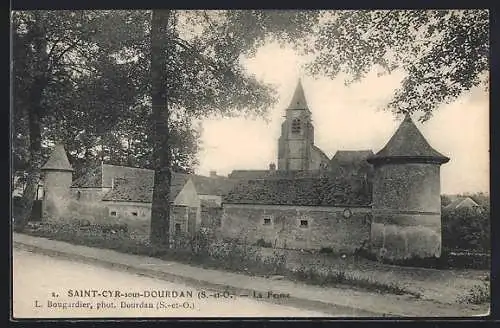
206,252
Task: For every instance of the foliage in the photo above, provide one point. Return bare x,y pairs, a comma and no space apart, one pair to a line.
208,252
478,294
442,52
466,229
335,277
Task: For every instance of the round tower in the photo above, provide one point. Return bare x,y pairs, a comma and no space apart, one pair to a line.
57,178
406,199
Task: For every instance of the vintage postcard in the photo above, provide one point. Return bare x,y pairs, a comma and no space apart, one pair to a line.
250,163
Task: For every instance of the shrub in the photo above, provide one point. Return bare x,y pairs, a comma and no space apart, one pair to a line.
466,229
478,294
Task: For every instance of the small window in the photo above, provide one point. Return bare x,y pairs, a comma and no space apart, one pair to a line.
304,223
78,195
113,213
134,213
177,228
267,221
296,126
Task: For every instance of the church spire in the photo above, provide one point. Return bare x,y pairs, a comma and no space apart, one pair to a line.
298,99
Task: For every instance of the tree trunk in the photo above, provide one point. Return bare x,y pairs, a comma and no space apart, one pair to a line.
160,210
35,113
33,170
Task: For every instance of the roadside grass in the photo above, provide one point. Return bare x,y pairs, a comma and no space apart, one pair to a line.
205,251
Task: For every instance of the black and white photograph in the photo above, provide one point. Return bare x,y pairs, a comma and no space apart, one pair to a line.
172,163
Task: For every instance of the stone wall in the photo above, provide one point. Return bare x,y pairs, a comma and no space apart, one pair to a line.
406,211
284,226
56,195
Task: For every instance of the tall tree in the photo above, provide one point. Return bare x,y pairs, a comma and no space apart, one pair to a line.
51,51
160,210
443,52
196,72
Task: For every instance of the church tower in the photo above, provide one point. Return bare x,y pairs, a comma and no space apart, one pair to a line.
297,135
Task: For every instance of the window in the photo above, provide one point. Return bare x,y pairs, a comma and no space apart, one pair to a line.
267,219
78,195
177,228
304,223
113,213
134,213
296,126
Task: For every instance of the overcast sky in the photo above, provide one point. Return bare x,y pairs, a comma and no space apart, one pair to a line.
349,118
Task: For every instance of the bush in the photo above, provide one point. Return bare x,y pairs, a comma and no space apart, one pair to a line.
335,277
478,294
203,249
466,229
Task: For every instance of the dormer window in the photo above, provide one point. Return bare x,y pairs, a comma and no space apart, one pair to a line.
296,126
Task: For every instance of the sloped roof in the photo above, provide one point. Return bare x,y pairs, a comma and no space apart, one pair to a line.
209,203
101,175
299,99
351,157
137,186
321,152
461,202
91,177
408,143
240,175
58,160
249,174
301,192
212,185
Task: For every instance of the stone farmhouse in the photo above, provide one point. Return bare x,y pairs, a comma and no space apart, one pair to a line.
388,201
120,194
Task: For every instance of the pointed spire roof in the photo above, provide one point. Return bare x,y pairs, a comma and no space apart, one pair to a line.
58,160
298,99
408,145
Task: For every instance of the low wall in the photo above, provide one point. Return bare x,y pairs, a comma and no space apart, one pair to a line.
283,226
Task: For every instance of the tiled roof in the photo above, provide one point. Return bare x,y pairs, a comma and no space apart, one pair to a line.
137,186
58,160
249,174
408,143
212,185
277,174
91,177
209,203
302,192
350,157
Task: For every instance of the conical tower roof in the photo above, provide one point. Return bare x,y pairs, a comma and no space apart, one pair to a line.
408,145
58,160
298,99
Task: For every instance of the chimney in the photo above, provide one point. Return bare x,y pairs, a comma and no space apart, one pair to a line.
272,167
213,173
